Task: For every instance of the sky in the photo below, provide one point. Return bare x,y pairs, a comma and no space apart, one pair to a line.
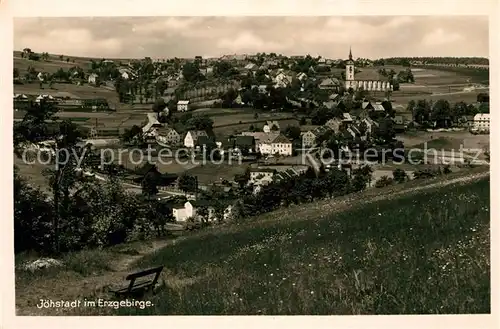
329,36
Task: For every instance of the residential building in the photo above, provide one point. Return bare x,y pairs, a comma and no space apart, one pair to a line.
150,130
310,138
302,76
169,136
334,124
205,143
271,142
191,209
93,79
271,126
192,136
243,144
482,122
281,145
281,80
371,125
330,83
261,176
183,106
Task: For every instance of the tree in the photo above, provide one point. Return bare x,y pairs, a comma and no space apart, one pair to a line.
159,105
62,178
200,122
441,113
224,69
388,109
399,175
385,131
150,182
33,222
191,73
483,98
383,182
292,132
242,179
16,73
188,183
203,213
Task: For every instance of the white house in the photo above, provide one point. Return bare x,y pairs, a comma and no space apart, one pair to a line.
481,122
261,176
271,126
40,76
282,80
271,142
281,145
301,76
192,136
93,79
168,136
182,106
191,209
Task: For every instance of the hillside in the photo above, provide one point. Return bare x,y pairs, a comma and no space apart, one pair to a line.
417,248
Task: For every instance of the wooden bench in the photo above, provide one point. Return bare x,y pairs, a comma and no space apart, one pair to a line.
138,283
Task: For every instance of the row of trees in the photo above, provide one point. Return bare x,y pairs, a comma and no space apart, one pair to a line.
405,61
442,113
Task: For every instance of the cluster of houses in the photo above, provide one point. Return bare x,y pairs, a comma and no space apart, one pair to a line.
268,142
350,124
259,176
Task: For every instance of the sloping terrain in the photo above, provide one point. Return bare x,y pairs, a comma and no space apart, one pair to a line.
421,247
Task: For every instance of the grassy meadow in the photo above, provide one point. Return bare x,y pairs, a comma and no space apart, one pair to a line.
426,253
411,248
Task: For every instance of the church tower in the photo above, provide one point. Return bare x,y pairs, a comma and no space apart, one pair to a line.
349,71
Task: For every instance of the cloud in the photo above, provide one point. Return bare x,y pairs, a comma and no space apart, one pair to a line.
71,41
440,37
369,36
248,41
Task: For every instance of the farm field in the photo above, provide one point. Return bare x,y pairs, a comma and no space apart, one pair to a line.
210,172
50,66
68,89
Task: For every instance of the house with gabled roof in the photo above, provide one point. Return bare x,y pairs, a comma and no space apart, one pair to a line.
183,106
310,138
192,136
330,83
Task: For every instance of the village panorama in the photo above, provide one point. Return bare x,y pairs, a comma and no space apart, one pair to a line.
251,183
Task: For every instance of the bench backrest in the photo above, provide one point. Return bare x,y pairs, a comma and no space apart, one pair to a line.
132,277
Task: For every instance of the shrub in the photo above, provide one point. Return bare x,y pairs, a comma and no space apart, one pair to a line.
383,182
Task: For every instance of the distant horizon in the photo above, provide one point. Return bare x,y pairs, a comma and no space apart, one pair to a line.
238,54
370,37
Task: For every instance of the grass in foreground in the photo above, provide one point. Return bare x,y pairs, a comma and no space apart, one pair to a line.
428,253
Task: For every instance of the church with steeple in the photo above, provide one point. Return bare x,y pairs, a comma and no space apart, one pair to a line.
370,85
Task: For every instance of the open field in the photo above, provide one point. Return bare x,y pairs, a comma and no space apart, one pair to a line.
209,173
84,91
447,140
50,66
259,123
132,160
349,255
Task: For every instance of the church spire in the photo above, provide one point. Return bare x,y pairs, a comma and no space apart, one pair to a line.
350,53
